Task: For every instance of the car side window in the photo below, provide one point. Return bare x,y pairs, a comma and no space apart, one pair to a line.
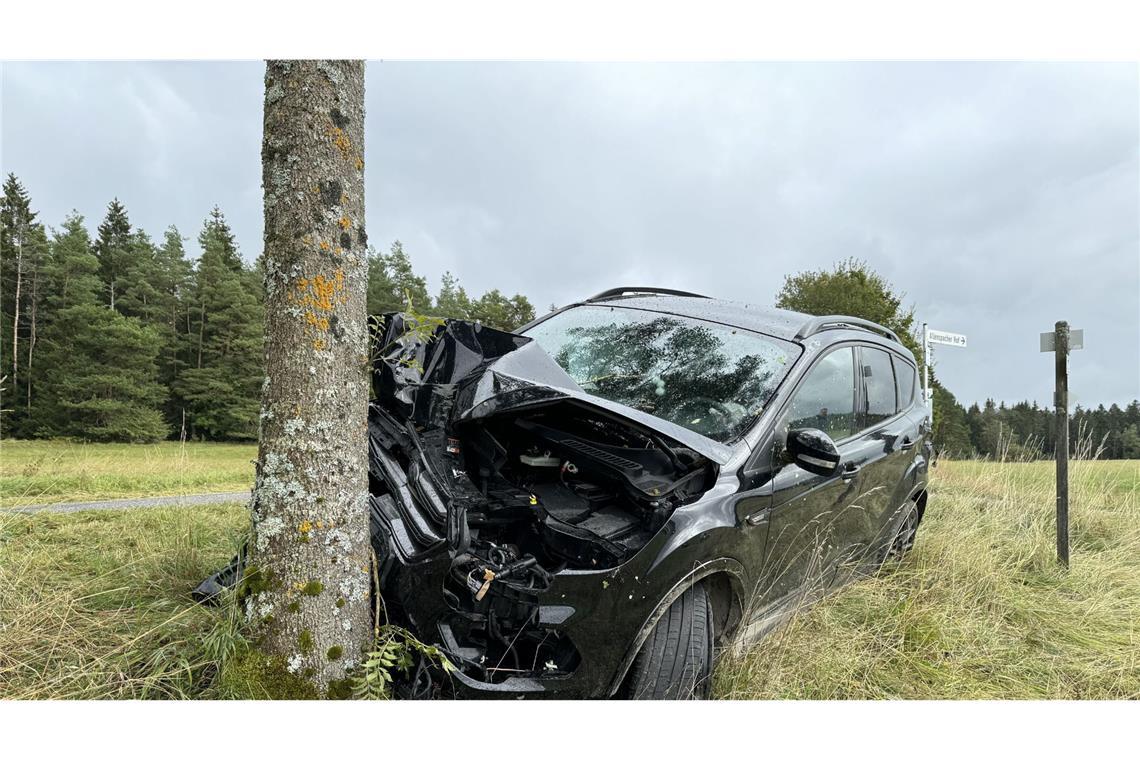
879,386
905,376
826,398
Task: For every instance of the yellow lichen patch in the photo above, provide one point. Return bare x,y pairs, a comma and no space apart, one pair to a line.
359,164
344,199
323,292
345,223
319,295
312,320
341,141
325,245
305,527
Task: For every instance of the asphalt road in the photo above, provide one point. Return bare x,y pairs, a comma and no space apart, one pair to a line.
153,501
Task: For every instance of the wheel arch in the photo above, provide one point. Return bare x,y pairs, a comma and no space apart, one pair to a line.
724,581
919,498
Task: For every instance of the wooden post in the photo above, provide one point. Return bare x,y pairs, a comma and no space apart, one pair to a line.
927,398
1061,400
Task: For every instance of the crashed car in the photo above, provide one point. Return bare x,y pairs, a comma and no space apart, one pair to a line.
596,505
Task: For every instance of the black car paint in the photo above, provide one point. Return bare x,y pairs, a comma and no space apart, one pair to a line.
741,536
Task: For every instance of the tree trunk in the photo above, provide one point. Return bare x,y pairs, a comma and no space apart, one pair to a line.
309,558
202,326
32,329
16,314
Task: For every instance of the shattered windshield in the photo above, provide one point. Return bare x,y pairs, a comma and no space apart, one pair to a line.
710,378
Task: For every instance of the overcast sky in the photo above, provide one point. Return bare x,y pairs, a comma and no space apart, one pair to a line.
999,197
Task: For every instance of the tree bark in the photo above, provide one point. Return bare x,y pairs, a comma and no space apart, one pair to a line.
309,557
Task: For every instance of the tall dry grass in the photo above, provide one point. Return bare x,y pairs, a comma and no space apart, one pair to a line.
980,608
96,605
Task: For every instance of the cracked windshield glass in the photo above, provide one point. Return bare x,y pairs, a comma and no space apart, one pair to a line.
710,378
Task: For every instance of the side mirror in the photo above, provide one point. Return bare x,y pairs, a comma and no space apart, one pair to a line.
813,450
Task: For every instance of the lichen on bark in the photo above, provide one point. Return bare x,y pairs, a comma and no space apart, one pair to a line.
310,519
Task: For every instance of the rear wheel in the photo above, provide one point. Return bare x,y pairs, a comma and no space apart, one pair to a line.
903,540
675,662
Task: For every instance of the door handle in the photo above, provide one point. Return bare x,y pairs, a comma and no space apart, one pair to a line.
758,518
849,471
891,438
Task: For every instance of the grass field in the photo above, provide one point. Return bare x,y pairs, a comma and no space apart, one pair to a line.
41,472
96,604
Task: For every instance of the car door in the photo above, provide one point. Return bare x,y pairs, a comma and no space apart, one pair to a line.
802,547
883,450
873,450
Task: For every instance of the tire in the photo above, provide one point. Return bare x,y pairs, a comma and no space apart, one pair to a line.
903,539
676,661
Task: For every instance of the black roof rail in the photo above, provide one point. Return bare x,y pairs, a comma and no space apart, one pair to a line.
612,292
837,322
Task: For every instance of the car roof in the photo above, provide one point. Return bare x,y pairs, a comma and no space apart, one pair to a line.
785,324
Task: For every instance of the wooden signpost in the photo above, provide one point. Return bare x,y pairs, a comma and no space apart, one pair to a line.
1061,341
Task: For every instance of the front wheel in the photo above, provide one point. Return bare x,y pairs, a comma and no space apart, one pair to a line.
676,661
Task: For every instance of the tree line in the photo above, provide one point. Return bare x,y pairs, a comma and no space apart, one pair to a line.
117,336
1026,430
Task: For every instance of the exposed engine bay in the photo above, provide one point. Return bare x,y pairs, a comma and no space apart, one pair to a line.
497,483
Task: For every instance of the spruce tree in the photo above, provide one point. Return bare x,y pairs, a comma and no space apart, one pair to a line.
103,377
99,378
174,279
406,283
71,275
452,301
219,390
137,285
115,250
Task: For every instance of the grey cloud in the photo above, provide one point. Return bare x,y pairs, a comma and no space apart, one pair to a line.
1000,197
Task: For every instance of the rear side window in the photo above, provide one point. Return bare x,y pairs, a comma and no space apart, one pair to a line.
905,377
825,399
879,386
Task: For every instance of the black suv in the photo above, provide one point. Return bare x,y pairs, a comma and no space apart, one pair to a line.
589,507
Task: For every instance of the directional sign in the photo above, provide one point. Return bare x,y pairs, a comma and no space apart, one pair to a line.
1049,341
946,338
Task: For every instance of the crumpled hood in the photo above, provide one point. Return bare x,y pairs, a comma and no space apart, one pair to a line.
473,372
